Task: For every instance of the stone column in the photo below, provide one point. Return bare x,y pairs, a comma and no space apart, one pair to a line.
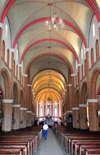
7,112
29,118
12,73
83,116
25,88
29,94
1,30
99,35
19,87
16,113
79,83
93,116
23,117
88,74
73,90
52,109
38,109
69,96
75,117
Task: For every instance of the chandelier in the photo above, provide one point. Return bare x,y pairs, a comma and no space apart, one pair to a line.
48,99
54,23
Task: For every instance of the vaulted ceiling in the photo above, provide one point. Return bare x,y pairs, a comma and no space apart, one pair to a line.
49,54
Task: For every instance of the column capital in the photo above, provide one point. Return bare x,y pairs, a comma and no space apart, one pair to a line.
69,111
1,25
86,50
7,100
72,75
82,105
75,108
92,100
29,85
78,65
25,75
19,65
12,50
28,111
99,25
16,105
23,108
68,85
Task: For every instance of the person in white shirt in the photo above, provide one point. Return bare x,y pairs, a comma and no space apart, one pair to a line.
45,131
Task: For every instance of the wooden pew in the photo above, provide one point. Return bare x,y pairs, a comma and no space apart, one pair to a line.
22,142
70,137
79,143
93,151
83,148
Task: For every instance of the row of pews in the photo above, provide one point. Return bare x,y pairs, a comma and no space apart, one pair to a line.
20,142
78,142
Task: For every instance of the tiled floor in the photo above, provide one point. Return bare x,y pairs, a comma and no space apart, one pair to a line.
50,146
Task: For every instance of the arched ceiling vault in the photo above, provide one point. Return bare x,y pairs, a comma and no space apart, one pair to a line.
49,53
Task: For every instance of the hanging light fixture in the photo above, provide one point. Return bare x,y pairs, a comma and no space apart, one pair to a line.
54,22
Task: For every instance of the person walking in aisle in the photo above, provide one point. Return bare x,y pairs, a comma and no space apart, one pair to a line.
45,130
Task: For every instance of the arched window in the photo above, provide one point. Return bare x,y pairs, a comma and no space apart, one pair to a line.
3,50
93,30
92,57
8,57
6,30
55,111
97,49
81,53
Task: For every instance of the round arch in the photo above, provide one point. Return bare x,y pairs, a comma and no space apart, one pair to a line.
49,54
6,78
94,77
83,93
48,39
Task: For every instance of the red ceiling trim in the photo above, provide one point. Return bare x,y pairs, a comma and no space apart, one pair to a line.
42,20
48,75
6,10
92,5
49,69
50,54
47,83
48,39
39,92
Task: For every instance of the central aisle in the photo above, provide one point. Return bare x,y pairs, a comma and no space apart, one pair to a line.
50,146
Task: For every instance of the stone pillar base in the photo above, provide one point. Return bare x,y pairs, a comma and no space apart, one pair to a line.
7,112
16,114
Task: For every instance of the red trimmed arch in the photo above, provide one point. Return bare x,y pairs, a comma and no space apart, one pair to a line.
49,54
92,5
6,10
42,20
48,39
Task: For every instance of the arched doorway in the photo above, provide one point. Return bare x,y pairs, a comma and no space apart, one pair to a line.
6,82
